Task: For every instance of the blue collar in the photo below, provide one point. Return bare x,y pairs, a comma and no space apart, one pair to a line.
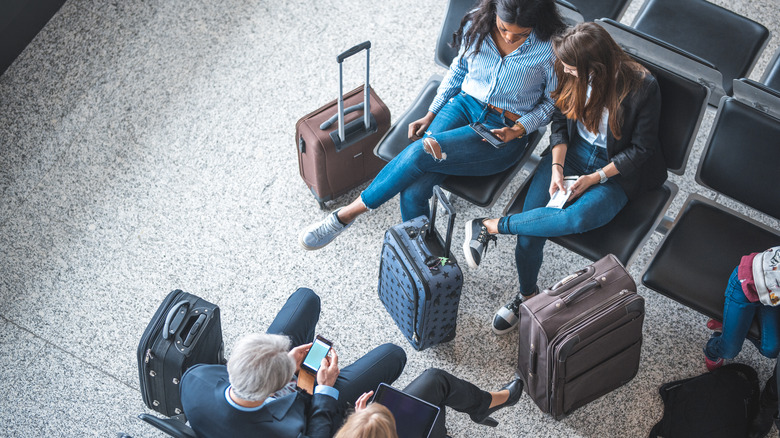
244,408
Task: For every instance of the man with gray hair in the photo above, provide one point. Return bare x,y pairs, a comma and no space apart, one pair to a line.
254,394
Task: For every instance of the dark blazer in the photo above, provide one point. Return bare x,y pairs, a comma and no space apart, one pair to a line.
637,155
295,415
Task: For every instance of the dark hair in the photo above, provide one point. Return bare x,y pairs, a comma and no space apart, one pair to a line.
541,15
599,60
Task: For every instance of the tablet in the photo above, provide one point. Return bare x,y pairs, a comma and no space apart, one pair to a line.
414,418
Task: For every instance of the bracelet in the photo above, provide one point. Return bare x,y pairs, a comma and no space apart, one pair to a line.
558,164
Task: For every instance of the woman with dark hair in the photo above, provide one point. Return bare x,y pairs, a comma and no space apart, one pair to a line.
502,77
604,151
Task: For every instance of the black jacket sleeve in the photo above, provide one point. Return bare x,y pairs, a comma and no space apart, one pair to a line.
639,138
559,129
324,417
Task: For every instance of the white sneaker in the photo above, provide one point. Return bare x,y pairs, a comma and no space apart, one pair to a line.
317,235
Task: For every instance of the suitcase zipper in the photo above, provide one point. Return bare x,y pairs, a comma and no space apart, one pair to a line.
408,256
416,297
146,339
613,299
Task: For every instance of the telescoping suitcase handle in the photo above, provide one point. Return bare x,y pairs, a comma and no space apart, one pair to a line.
438,195
366,105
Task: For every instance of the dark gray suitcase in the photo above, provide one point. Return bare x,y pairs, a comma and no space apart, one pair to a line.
582,338
186,330
420,280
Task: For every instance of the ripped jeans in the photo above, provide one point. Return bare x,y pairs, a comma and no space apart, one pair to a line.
457,150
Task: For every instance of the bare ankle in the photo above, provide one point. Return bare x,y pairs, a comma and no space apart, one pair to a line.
498,398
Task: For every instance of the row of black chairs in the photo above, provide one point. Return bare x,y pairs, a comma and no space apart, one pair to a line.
688,84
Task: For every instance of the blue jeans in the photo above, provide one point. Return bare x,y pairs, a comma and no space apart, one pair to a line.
738,315
414,172
593,209
297,320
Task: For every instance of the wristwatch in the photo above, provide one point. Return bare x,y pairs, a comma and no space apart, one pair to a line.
603,176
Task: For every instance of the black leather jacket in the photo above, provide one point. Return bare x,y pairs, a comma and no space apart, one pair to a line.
637,155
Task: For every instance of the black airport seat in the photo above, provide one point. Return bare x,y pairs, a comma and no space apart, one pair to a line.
479,190
693,263
772,74
594,9
171,426
683,104
730,41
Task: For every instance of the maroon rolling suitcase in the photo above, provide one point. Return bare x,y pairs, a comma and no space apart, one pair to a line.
336,145
582,338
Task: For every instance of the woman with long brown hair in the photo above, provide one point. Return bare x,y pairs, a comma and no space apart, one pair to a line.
604,151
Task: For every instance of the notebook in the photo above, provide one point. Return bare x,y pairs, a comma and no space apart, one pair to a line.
414,418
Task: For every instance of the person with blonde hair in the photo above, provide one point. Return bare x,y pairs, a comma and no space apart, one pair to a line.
439,388
372,421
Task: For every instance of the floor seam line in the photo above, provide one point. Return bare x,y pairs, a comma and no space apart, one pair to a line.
73,355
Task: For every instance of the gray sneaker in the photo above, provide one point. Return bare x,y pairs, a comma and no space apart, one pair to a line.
508,316
317,235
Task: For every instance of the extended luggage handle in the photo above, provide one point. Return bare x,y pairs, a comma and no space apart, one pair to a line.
440,197
366,45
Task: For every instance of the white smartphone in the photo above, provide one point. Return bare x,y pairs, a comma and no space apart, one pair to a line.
560,197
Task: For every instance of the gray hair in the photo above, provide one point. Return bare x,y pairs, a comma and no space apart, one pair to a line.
259,366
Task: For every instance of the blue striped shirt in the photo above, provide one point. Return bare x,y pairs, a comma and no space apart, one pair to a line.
520,82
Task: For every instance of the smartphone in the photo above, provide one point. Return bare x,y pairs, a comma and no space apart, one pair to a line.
485,133
319,349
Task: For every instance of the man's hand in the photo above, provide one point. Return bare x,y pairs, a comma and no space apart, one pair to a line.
329,369
298,354
509,133
418,127
362,401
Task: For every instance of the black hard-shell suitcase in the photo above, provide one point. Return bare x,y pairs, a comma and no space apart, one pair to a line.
582,338
186,330
335,143
419,279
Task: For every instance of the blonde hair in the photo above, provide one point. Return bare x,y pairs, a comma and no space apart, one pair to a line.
375,421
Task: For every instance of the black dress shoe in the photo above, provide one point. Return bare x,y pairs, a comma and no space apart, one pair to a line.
515,389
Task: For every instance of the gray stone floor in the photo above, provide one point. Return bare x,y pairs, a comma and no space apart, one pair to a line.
148,145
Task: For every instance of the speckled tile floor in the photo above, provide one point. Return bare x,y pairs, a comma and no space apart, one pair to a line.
148,145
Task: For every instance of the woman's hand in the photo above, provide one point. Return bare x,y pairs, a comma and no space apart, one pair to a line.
556,181
418,127
581,185
298,354
509,133
362,401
